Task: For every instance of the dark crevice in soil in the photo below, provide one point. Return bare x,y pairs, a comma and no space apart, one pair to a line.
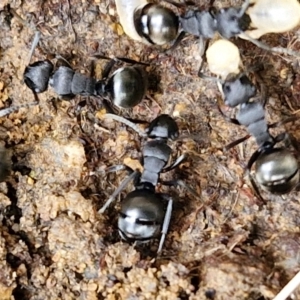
25,238
12,211
20,167
100,297
45,255
21,293
183,295
13,260
195,281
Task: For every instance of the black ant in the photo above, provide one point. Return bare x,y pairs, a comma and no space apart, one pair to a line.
143,216
276,169
126,87
154,24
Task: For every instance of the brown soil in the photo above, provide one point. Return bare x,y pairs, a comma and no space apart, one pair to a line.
54,244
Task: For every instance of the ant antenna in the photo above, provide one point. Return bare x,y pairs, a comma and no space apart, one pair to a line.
122,186
211,78
262,45
6,111
128,123
35,42
244,8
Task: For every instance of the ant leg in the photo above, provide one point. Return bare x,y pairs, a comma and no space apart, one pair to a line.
254,69
287,120
181,5
243,9
235,143
206,77
281,137
128,121
106,103
131,61
108,66
35,40
177,42
288,140
122,186
6,111
255,187
188,188
232,120
108,107
20,20
64,60
203,45
279,50
100,56
251,161
166,222
175,164
181,183
36,98
92,69
137,121
117,168
263,90
114,60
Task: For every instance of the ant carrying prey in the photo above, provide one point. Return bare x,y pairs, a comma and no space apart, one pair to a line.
155,24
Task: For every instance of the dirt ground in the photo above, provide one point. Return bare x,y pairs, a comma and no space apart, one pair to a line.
53,243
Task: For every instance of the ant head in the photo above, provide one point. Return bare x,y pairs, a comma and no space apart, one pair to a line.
237,89
231,23
164,127
157,24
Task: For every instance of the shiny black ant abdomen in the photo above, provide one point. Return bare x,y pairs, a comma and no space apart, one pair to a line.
276,168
